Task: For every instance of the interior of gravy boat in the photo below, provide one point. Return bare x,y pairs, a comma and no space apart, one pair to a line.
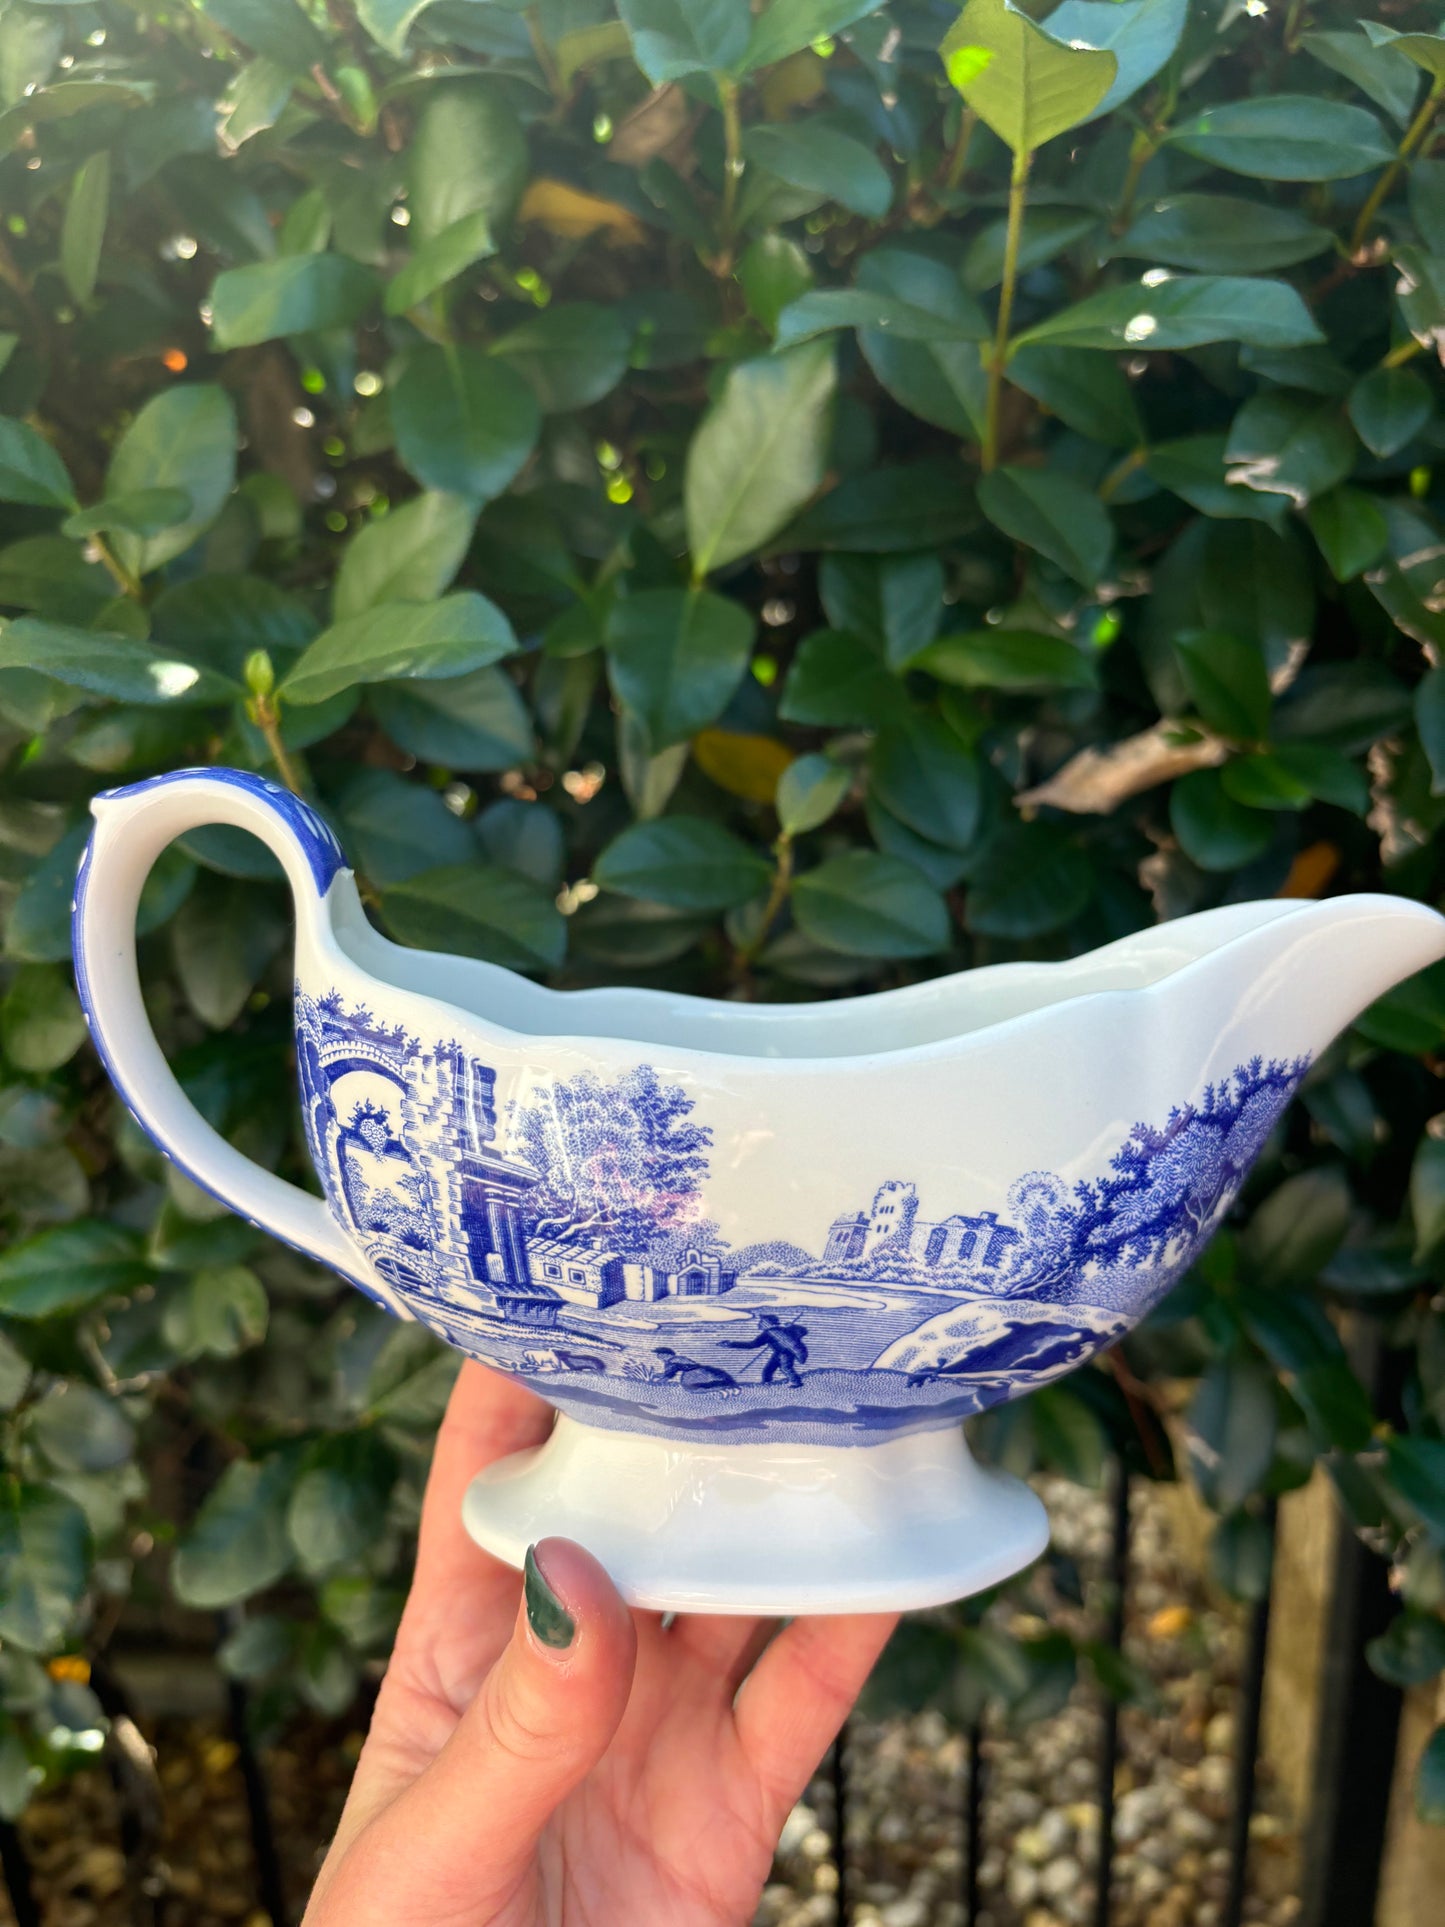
888,1020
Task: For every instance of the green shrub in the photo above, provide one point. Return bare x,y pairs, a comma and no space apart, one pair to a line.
725,499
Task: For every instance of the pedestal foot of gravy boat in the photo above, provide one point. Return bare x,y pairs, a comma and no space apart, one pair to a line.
770,1529
762,1259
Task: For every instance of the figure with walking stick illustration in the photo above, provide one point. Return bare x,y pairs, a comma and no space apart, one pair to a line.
785,1347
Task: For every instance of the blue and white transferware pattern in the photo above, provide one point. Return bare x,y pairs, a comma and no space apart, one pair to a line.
762,1259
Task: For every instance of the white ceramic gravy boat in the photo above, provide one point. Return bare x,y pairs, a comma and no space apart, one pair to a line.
762,1258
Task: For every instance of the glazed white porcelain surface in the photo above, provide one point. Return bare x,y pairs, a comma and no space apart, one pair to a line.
764,1258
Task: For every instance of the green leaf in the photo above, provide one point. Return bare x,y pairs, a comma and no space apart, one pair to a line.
238,1545
1228,683
1014,659
809,791
398,641
1213,830
896,603
758,454
822,310
397,829
30,469
1411,1651
1427,1198
870,906
674,38
890,509
1231,1432
41,1022
1046,232
292,295
390,21
676,657
1020,82
1286,137
1389,407
478,910
468,723
145,511
1430,1780
1221,234
80,1429
1298,1228
467,155
1089,393
1141,34
1185,311
1284,445
106,665
279,29
819,159
184,438
1294,775
82,232
923,775
943,382
1194,468
1387,77
67,1267
1241,1556
571,354
773,273
410,555
685,861
837,681
1351,529
440,260
787,26
1053,514
1417,1472
222,938
339,1497
1034,879
464,423
44,1565
1426,50
1430,722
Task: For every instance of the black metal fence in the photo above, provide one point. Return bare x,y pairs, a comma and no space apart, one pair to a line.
1342,1850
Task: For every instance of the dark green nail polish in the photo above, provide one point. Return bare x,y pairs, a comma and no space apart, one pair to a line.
546,1615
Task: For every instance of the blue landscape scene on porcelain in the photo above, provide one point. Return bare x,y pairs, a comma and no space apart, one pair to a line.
565,1238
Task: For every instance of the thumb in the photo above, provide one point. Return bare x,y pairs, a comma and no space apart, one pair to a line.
542,1719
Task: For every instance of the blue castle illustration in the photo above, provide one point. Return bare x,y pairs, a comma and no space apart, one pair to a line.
405,1141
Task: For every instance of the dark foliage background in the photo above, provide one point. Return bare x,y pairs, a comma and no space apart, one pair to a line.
696,503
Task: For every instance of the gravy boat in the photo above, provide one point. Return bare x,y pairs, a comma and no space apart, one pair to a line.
761,1259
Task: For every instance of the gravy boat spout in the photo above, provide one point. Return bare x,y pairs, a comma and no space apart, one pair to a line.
762,1259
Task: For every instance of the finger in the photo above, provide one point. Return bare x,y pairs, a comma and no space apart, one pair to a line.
722,1646
798,1695
542,1719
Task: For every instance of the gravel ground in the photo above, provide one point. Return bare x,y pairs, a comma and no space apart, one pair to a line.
906,1784
906,1777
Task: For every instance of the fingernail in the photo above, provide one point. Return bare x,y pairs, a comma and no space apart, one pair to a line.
546,1615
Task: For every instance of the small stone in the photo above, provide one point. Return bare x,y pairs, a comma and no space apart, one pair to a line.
908,1912
799,1824
1219,1734
1022,1885
1060,1879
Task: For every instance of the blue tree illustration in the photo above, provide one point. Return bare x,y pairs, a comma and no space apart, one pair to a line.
617,1162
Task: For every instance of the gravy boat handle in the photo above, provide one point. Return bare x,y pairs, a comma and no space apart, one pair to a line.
133,825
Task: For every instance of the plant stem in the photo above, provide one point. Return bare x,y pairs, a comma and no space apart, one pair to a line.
958,159
1414,134
1294,22
1141,152
1121,472
120,575
777,897
732,153
267,718
1403,352
1017,197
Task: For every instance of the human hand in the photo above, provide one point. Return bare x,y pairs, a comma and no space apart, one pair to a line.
560,1758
